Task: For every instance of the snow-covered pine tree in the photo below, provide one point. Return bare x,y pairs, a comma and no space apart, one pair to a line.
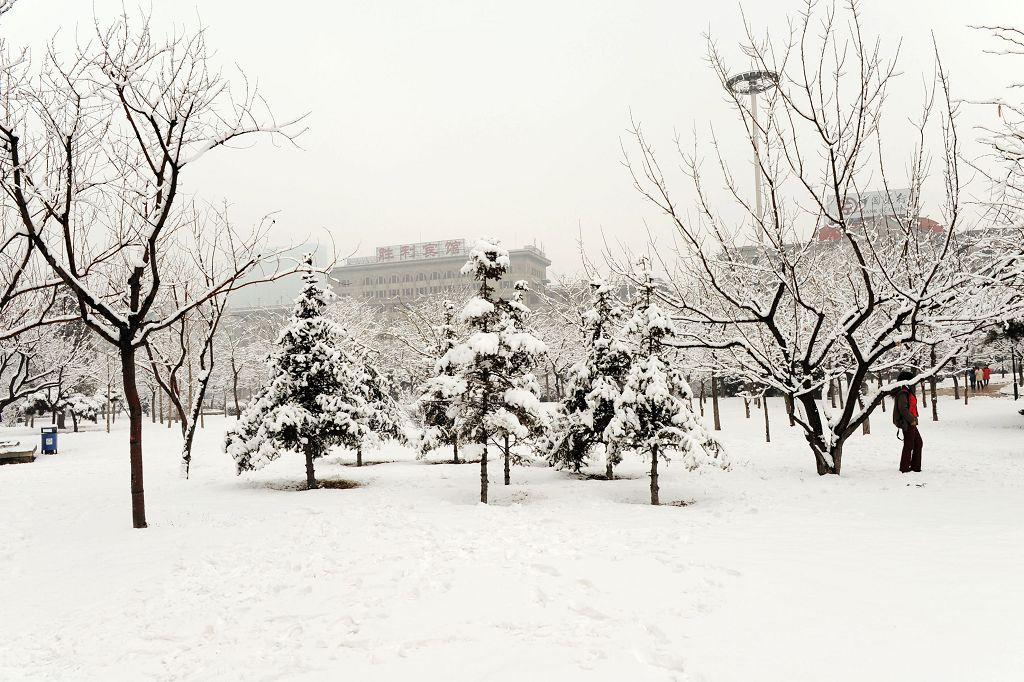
315,397
435,398
482,374
383,418
652,413
521,415
594,385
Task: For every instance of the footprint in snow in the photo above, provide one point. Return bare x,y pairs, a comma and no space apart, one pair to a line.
550,570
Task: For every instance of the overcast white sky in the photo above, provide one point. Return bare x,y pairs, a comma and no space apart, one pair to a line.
450,118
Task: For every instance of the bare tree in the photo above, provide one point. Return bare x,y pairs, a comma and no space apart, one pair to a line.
95,144
800,316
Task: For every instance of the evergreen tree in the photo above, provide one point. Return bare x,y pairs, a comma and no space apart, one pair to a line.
315,398
482,375
521,415
434,400
652,413
595,384
383,418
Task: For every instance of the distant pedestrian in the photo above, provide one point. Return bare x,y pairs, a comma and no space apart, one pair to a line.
987,373
970,376
979,377
904,416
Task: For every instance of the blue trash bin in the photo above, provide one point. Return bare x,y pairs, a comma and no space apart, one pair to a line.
49,440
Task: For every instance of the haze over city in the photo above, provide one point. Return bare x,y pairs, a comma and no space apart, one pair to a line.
454,119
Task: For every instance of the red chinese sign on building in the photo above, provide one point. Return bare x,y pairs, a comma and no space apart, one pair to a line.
400,252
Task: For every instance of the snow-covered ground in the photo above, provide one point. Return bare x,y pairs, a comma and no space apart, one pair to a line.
772,573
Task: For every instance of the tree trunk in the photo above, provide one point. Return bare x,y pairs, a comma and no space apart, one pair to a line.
789,410
455,450
74,422
746,407
767,424
195,416
822,463
935,395
1013,373
654,475
131,395
508,462
701,401
609,468
714,402
359,455
882,401
956,388
483,474
311,483
815,428
234,391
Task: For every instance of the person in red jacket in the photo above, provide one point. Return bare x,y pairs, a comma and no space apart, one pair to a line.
988,373
904,416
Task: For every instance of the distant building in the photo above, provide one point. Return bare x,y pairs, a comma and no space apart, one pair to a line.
406,271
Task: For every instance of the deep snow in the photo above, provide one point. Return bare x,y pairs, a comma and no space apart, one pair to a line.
772,573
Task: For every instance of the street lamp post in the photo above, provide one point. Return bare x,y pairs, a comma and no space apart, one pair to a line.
753,83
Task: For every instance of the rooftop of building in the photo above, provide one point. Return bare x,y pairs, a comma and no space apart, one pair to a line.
428,251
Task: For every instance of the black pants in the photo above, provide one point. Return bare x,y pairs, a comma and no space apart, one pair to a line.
912,444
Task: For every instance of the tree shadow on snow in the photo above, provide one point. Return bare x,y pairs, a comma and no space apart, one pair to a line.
294,485
582,476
